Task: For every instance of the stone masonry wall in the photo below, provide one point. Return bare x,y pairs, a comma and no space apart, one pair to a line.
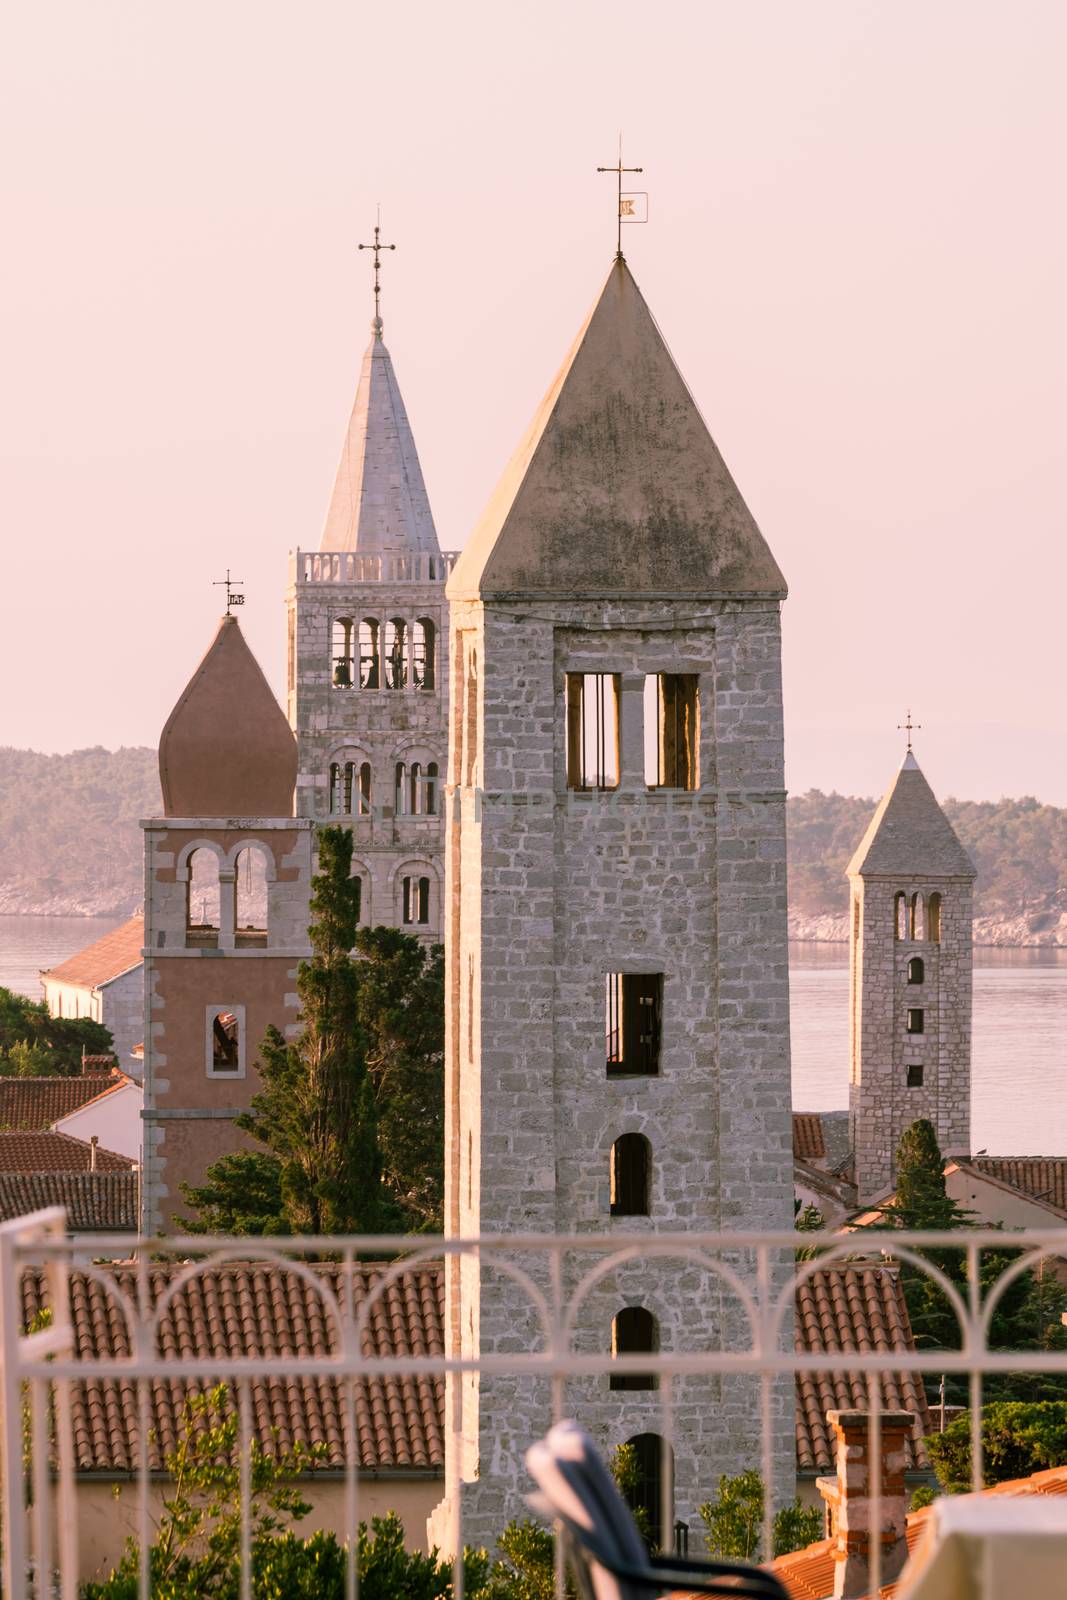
881,1103
551,889
382,726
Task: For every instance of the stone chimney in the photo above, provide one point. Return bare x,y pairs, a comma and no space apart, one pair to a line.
848,1499
93,1142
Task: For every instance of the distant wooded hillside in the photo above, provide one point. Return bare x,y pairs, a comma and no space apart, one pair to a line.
70,843
69,837
1018,846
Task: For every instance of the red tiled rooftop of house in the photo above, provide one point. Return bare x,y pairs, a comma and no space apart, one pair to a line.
103,961
808,1141
33,1104
56,1152
96,1202
1041,1178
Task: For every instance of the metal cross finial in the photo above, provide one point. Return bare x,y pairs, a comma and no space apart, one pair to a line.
231,585
909,726
620,169
377,247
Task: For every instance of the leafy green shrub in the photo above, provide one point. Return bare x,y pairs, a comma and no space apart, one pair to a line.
734,1521
1018,1438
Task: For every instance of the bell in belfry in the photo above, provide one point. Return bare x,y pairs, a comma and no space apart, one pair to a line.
342,674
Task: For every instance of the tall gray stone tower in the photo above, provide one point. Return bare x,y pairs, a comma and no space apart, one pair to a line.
368,647
618,1024
910,980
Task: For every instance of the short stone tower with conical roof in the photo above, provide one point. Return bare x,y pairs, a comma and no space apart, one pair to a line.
368,643
617,983
910,980
227,880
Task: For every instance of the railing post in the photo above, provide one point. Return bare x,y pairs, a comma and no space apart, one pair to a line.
13,1502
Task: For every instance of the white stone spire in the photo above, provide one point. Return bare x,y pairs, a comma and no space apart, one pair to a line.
379,504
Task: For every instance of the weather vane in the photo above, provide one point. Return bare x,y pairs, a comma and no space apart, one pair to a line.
231,585
910,727
628,207
377,247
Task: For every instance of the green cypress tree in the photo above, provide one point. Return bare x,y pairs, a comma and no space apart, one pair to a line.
316,1110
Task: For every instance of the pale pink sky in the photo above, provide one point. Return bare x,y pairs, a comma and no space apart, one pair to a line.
857,251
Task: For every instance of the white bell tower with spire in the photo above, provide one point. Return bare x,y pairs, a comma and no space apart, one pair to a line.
367,656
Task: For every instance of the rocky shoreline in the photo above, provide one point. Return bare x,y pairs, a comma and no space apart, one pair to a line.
1032,929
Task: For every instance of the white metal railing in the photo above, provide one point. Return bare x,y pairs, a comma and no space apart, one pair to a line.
40,1369
347,566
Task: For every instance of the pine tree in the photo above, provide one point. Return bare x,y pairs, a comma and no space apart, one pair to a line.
316,1111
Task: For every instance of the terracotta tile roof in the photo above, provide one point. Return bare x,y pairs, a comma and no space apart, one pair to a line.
1038,1177
108,958
33,1104
808,1141
95,1201
56,1152
256,1309
808,1574
843,1309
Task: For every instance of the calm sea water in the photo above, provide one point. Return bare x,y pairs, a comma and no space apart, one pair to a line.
1019,1102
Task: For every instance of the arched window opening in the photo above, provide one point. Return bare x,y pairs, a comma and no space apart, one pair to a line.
369,654
416,909
396,650
364,789
425,646
933,918
431,789
631,1172
655,1462
900,914
400,791
634,1331
358,881
344,673
415,789
251,894
203,899
916,970
918,917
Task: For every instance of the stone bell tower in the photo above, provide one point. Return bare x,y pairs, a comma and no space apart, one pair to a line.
227,882
368,644
910,980
618,1022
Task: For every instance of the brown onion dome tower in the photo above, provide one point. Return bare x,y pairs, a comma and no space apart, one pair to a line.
227,749
227,876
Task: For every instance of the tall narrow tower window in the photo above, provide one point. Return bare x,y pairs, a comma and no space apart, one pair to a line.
423,661
900,914
916,970
631,1171
634,1331
671,730
416,893
202,898
370,673
918,917
396,653
592,730
431,789
933,918
632,1023
916,1020
250,894
344,675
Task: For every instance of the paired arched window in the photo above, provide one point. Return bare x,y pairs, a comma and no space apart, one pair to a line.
415,908
349,788
250,890
424,665
916,970
631,1175
203,896
634,1331
396,653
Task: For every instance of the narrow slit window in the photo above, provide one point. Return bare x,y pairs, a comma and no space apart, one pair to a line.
364,789
633,1023
431,789
915,1075
592,730
396,652
933,918
634,1331
400,791
423,665
672,724
916,1020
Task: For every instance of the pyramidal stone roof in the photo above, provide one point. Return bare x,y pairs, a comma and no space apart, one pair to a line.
379,504
227,749
909,834
617,487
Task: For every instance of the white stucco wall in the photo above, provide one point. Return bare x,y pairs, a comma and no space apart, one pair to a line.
115,1119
